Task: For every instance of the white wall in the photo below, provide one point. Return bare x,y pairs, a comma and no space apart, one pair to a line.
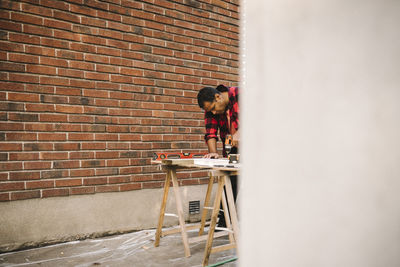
320,124
35,222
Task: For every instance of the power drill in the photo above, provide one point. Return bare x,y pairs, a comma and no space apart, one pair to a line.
228,143
233,158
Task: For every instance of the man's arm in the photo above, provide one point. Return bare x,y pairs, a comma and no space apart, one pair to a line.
212,149
235,139
211,123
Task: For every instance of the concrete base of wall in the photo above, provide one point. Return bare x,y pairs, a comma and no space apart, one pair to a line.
38,222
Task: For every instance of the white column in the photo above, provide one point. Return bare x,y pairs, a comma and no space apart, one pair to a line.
320,122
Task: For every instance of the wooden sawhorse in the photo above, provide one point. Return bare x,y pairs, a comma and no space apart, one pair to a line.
229,208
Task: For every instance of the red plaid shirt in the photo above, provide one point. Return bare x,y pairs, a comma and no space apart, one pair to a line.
221,121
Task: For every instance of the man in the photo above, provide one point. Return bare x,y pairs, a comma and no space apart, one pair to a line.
221,106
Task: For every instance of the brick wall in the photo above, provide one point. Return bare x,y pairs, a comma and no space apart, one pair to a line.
90,89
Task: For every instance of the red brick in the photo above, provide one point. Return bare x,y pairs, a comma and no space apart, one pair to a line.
24,156
40,184
130,137
107,188
41,69
94,128
26,117
93,146
95,181
23,17
4,196
36,88
37,165
54,174
53,61
107,171
10,146
53,155
69,109
54,80
68,182
106,137
21,136
66,146
39,107
52,136
96,110
117,162
24,195
80,118
81,155
131,170
15,47
6,126
27,175
129,187
55,4
51,23
11,26
12,186
23,97
69,16
38,146
23,78
190,182
93,163
107,154
59,192
82,83
82,190
82,172
53,117
66,164
42,51
6,66
37,30
80,136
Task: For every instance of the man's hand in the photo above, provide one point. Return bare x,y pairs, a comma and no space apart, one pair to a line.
235,139
211,156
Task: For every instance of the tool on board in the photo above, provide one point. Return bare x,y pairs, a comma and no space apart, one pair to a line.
177,155
228,143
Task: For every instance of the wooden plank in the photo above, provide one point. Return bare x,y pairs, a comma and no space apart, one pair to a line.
223,248
204,237
181,218
180,162
162,210
178,230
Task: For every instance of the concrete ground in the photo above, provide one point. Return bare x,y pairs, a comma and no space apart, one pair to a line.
132,249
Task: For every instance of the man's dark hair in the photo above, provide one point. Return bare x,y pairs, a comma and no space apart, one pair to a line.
207,94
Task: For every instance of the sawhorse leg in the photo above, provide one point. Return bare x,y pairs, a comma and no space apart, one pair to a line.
171,175
232,208
224,180
181,218
214,217
206,204
162,209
